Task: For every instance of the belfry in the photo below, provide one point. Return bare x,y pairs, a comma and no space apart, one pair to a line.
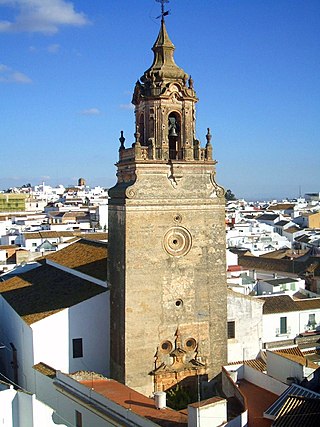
166,250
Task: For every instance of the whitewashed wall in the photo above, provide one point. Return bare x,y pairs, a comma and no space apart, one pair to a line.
14,330
3,256
68,405
6,407
247,314
19,409
282,368
88,320
271,326
51,340
304,320
210,415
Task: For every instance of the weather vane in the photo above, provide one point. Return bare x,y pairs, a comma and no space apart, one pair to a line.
163,13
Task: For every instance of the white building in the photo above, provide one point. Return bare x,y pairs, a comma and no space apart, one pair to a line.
284,285
21,409
285,318
58,315
245,326
88,399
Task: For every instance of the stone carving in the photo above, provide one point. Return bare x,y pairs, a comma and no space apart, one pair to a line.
130,193
177,241
177,218
218,191
173,365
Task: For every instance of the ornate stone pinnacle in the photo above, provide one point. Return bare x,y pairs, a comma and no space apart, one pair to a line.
208,136
137,135
122,139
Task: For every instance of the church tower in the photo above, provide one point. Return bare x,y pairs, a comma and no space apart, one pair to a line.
166,250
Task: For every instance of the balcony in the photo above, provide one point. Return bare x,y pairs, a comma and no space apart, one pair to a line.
283,333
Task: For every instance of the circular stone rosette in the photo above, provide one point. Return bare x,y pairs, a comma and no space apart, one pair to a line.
177,241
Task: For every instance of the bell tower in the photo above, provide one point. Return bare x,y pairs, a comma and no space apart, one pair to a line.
165,105
166,250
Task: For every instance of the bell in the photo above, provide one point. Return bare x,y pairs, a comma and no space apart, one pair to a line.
173,131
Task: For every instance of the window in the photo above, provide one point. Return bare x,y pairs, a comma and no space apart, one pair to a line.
312,321
77,347
78,419
231,330
283,325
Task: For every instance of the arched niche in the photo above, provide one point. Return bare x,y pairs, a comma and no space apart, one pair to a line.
174,135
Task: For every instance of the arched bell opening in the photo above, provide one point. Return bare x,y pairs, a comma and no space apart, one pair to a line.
141,129
174,136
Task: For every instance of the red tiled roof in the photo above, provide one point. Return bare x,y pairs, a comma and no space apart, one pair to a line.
136,402
278,304
291,350
257,364
235,268
258,400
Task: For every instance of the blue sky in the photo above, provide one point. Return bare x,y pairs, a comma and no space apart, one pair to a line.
68,69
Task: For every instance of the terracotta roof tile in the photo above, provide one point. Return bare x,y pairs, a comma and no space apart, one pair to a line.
292,229
258,400
136,402
278,304
88,257
95,236
291,350
298,359
45,370
308,304
258,364
47,234
44,291
280,206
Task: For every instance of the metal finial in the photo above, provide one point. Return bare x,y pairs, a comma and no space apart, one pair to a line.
163,13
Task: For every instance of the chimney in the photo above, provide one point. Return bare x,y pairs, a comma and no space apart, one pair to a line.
160,399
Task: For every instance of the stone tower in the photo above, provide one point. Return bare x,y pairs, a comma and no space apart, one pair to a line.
166,250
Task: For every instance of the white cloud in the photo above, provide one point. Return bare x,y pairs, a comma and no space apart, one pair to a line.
3,68
42,16
8,75
18,77
126,106
53,48
91,112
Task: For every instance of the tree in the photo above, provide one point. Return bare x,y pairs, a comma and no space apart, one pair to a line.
230,196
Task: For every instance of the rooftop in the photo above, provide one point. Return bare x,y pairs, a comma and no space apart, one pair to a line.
85,256
278,304
44,291
298,359
258,400
298,411
279,408
281,281
136,402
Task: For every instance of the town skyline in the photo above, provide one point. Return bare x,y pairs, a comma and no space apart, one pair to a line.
254,68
